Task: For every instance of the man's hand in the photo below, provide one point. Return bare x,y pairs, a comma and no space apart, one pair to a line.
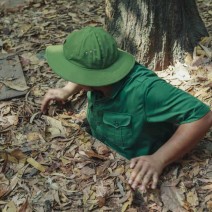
146,170
58,94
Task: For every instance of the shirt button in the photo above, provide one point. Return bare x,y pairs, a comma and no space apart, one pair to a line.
116,123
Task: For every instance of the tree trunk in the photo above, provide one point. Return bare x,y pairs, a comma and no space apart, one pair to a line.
156,32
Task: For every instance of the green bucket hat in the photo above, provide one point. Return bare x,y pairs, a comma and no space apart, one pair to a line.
90,57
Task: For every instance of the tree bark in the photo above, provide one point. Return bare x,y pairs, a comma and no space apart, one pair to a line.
156,32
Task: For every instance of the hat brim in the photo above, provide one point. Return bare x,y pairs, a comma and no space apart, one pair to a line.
89,77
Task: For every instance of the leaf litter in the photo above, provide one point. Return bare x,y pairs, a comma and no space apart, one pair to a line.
50,163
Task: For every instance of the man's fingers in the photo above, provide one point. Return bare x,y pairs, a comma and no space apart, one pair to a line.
141,171
142,188
134,172
145,173
45,103
147,179
133,162
138,172
47,98
154,181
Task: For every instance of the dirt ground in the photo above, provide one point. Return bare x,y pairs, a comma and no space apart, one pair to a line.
49,163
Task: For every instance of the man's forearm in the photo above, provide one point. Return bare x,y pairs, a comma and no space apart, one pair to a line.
183,140
72,88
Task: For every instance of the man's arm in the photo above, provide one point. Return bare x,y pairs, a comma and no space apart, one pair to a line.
147,169
59,94
184,139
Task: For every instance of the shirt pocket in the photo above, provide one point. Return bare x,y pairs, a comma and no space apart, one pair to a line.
117,128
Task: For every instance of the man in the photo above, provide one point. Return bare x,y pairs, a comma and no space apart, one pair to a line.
130,108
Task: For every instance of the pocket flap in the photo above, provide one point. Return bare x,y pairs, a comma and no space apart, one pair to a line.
117,119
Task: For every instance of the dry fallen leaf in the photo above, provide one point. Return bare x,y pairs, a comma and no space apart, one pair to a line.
16,86
207,187
208,51
181,72
87,171
101,201
192,198
172,198
25,207
55,127
35,164
65,149
4,183
10,207
92,154
9,120
127,204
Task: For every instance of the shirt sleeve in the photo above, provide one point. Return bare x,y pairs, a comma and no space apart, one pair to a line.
164,102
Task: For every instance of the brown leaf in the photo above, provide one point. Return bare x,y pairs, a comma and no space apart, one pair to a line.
132,210
195,170
127,204
16,86
92,154
55,127
101,201
188,59
9,120
18,154
208,51
173,198
4,184
3,190
101,190
208,198
10,207
192,197
25,206
33,136
7,157
13,183
207,187
103,167
103,150
125,198
209,205
87,171
35,164
118,171
199,61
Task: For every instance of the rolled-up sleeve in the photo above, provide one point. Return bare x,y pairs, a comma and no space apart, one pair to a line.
164,102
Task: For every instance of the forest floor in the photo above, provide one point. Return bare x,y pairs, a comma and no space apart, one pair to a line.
48,162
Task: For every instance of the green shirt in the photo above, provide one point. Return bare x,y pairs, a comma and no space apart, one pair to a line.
141,113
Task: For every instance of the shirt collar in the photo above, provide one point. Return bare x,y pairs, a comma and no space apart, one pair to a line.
115,89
